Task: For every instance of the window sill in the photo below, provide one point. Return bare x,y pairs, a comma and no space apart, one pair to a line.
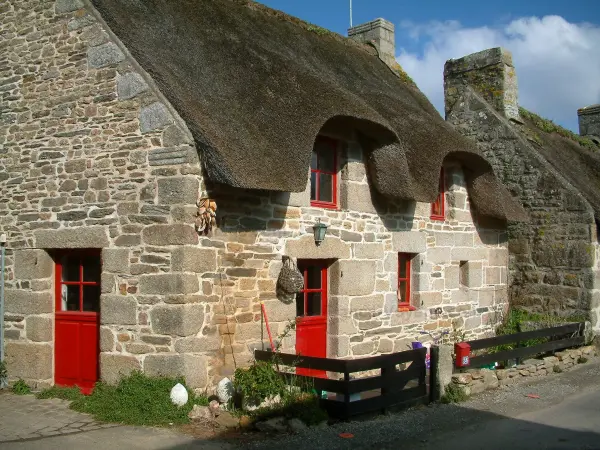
405,307
323,205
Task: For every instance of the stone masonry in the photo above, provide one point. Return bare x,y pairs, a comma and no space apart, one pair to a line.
589,121
93,156
475,381
552,259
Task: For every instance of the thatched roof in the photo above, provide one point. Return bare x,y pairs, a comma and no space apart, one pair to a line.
255,86
578,164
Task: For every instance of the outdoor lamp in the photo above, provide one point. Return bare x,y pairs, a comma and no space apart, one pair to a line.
319,231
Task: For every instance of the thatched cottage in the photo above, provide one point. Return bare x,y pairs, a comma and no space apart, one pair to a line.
555,173
125,125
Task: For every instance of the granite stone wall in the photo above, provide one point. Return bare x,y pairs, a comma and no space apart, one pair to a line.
552,258
589,121
93,156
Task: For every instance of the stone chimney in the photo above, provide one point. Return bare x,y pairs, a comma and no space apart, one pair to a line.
379,33
589,120
490,73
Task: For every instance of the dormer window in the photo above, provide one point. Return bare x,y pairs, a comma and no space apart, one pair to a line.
323,173
438,207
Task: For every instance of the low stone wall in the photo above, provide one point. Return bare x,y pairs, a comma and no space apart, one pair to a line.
475,381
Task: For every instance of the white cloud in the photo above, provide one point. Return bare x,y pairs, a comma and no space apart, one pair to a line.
557,62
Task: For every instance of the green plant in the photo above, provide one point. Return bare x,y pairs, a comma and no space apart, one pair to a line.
3,373
556,369
61,392
257,382
582,360
21,388
137,400
454,394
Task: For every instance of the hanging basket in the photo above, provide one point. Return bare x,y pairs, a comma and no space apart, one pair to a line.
290,281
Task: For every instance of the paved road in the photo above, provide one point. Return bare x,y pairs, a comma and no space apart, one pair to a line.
566,416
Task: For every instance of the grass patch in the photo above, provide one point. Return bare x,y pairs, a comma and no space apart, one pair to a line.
137,400
516,317
549,126
454,394
21,388
61,392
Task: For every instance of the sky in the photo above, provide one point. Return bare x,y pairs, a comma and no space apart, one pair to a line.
555,43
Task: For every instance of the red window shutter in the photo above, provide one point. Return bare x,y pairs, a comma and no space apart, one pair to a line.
404,278
323,173
438,208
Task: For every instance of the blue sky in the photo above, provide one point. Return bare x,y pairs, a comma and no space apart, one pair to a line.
555,43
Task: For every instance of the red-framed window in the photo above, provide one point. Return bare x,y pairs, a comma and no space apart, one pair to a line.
78,281
323,173
438,208
311,301
404,276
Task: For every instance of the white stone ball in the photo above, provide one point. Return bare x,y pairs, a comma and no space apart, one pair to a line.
179,395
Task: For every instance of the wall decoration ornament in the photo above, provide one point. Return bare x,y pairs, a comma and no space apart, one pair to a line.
206,217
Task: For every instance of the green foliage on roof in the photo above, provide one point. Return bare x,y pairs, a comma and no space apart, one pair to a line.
549,126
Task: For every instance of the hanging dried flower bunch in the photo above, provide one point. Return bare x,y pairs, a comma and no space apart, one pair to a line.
206,215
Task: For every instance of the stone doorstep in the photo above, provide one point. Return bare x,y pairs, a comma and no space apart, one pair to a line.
476,381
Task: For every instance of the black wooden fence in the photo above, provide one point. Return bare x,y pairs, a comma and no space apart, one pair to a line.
392,387
561,337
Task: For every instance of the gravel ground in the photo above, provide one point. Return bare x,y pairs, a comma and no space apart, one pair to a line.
417,427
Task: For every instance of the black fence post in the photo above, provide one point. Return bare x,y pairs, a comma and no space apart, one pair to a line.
434,384
385,372
347,395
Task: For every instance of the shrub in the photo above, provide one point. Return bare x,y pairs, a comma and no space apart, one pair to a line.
454,394
21,388
258,382
582,360
556,369
137,400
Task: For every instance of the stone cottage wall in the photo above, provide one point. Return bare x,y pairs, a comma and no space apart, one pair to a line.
362,244
552,257
92,156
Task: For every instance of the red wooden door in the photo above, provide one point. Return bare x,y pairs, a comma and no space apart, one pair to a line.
76,346
311,314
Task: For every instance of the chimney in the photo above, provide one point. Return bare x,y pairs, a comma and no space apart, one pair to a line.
491,73
589,120
379,33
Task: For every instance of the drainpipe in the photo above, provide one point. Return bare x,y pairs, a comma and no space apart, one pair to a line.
2,249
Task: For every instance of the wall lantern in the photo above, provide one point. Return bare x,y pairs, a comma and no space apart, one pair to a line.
319,231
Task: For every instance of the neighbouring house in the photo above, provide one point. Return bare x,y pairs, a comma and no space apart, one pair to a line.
555,173
118,117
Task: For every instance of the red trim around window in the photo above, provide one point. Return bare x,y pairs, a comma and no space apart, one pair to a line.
303,266
438,208
333,144
81,313
404,291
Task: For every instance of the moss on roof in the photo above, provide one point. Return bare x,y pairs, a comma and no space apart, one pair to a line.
548,126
